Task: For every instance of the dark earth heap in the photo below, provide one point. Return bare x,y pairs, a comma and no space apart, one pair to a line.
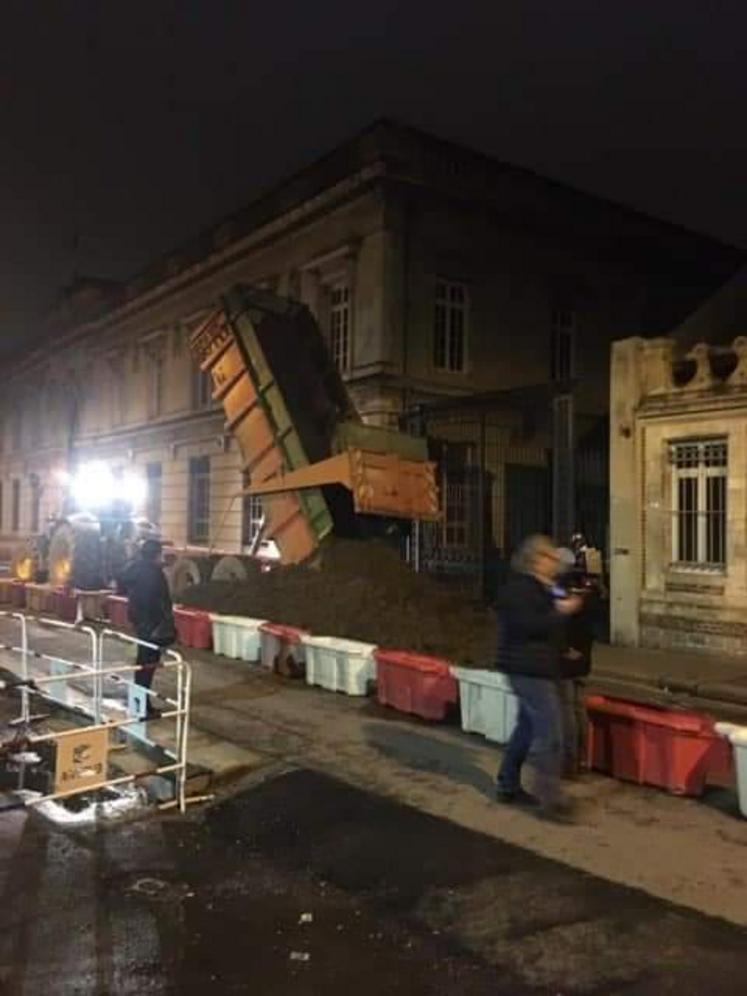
361,591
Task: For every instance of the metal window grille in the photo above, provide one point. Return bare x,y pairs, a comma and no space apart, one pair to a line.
15,509
456,515
156,384
450,326
202,388
339,326
198,526
699,508
563,345
35,504
154,496
252,516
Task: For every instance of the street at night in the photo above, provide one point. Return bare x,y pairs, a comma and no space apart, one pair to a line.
373,499
303,885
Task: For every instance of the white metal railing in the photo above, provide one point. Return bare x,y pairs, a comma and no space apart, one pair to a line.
95,671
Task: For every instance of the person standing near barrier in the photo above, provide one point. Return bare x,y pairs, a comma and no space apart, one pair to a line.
575,667
576,656
532,639
150,611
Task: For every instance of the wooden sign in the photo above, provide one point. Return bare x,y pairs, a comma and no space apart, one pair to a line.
81,760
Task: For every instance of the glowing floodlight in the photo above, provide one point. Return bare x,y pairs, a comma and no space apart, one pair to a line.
134,490
93,486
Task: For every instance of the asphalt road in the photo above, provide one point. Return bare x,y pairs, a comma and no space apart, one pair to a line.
303,885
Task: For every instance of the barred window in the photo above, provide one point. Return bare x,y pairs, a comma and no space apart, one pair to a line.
456,515
198,523
15,507
699,477
157,372
339,326
154,493
36,493
450,327
563,345
252,515
202,388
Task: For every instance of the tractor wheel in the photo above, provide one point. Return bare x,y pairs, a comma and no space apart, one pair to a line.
26,564
189,571
229,569
75,556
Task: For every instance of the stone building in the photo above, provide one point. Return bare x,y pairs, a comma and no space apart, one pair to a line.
678,480
434,272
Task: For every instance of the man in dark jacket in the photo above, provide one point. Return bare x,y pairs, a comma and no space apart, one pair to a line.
532,639
150,610
575,666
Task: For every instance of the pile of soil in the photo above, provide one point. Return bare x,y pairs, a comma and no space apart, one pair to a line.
361,591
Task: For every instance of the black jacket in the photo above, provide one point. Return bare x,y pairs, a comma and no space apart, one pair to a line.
149,599
531,633
578,635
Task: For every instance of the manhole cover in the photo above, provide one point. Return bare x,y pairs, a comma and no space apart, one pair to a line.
151,887
159,890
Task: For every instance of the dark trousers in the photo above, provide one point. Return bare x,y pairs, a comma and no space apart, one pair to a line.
574,723
146,655
537,737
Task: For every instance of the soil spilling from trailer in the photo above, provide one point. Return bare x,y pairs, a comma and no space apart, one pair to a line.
360,591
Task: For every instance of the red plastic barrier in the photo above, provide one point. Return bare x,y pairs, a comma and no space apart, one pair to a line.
116,611
673,750
64,604
415,683
281,649
40,599
194,628
18,594
6,591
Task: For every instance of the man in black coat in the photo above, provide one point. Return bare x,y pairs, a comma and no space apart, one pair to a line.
531,644
150,610
575,669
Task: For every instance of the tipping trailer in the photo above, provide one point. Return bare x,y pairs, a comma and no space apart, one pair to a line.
315,465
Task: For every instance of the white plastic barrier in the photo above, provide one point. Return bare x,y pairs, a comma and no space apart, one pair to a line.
237,637
339,665
488,704
737,735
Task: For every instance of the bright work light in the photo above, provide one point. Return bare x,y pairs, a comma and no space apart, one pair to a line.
94,486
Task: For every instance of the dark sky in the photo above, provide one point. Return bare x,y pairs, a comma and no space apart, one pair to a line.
137,123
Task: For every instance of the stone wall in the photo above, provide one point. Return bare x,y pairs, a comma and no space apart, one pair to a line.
660,397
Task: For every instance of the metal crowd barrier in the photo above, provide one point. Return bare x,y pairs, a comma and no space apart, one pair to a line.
95,671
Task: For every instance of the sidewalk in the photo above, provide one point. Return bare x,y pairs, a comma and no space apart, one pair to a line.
249,725
687,851
715,684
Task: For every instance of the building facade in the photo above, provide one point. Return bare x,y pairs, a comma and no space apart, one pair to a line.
434,272
678,482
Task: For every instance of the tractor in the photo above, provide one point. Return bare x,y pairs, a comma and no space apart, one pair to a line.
96,533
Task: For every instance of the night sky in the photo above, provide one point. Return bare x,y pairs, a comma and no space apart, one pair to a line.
126,127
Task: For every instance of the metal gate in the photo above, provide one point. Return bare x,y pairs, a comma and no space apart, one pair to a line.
510,464
527,505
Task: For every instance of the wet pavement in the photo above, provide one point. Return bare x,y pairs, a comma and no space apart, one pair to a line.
301,884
